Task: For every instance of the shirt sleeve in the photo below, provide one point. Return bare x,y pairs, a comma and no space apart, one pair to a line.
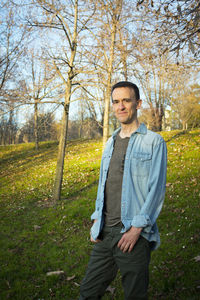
156,190
102,179
95,214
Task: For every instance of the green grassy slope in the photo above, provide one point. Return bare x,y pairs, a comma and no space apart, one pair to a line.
36,237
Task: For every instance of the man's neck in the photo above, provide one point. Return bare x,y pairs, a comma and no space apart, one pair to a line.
128,129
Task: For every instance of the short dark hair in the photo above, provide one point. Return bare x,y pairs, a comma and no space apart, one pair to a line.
127,84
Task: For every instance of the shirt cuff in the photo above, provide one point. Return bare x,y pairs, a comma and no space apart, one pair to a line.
94,215
142,221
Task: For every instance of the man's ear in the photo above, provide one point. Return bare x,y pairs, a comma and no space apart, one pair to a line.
139,104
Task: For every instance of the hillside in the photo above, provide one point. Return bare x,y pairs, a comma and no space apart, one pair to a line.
37,237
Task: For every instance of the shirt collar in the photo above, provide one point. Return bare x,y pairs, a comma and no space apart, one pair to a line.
141,129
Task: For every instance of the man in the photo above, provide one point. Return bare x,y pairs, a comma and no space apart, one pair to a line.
130,196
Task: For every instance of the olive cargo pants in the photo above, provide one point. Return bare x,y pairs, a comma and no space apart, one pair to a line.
107,258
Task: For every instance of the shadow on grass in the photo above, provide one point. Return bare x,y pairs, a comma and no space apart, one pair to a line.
77,193
177,135
17,154
26,160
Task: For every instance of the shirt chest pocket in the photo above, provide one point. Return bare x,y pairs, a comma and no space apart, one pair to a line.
140,164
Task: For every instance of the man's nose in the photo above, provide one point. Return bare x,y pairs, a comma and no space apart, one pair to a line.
121,105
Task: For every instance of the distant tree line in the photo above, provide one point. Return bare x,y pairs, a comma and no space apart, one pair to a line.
186,117
48,130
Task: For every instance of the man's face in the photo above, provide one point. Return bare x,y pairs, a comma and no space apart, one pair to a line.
125,104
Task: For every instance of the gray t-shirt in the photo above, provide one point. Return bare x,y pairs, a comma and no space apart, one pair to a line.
113,189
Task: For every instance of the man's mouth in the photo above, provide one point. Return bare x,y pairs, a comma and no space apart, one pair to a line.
122,113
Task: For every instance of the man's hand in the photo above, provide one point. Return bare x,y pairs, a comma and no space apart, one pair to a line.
94,241
129,239
91,238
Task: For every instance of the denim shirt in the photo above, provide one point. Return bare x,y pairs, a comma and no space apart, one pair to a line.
143,184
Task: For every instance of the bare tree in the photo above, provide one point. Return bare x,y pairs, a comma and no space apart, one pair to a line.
105,55
41,87
11,52
66,20
176,20
11,48
92,107
8,125
186,104
151,68
113,12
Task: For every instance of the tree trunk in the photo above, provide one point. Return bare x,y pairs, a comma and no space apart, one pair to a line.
108,89
106,115
61,148
68,90
183,125
36,126
10,127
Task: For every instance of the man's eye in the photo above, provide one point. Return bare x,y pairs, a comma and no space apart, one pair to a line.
115,102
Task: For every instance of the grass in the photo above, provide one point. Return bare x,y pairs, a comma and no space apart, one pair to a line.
37,237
